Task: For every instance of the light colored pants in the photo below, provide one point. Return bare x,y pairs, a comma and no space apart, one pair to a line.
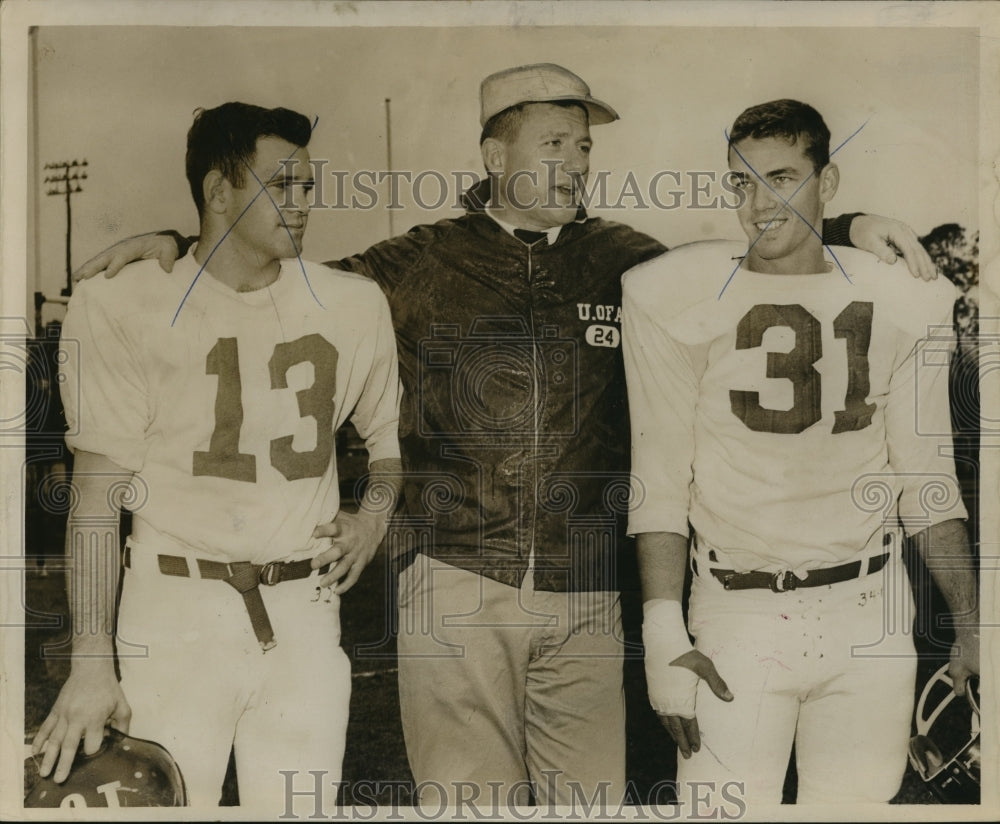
829,668
500,687
205,686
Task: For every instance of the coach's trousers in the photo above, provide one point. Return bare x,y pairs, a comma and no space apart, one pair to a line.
508,692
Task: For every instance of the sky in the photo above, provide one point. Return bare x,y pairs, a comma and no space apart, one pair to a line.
123,97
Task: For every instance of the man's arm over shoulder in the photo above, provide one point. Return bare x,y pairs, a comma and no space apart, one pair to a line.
633,246
166,247
387,262
883,237
390,261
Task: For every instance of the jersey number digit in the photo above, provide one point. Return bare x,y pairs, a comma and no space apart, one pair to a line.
316,402
796,366
854,324
223,458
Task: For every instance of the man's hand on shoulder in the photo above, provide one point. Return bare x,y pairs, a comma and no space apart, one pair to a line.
887,238
141,247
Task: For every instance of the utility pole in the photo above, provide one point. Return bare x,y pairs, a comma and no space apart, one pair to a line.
67,183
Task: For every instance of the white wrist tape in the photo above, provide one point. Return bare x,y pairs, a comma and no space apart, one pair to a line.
672,690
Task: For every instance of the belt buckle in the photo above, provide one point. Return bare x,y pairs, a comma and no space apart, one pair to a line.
270,573
783,581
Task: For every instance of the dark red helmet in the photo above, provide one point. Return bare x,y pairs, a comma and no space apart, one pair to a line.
124,772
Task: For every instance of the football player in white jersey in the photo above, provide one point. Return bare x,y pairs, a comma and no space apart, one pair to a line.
780,404
209,404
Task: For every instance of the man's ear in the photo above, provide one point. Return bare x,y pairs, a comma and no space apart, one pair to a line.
216,190
494,154
829,181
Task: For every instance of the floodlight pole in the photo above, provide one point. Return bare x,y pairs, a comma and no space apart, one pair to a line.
67,185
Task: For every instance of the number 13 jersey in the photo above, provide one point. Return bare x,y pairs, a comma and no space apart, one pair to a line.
787,416
226,404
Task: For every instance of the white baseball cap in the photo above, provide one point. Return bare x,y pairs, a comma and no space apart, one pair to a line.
538,83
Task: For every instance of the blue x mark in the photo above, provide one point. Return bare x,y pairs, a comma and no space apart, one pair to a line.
263,190
788,204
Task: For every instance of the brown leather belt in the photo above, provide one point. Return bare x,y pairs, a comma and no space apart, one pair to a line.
788,580
245,578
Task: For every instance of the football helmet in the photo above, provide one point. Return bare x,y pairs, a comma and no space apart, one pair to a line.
953,779
124,772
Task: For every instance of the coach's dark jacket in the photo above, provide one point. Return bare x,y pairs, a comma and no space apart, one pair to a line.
514,428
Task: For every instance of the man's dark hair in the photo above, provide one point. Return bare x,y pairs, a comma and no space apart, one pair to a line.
789,120
504,126
225,138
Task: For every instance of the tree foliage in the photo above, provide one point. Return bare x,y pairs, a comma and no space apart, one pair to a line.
956,254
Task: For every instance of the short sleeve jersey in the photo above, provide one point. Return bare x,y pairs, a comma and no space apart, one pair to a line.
788,417
225,404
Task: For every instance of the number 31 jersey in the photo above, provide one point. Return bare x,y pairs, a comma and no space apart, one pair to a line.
226,404
788,417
